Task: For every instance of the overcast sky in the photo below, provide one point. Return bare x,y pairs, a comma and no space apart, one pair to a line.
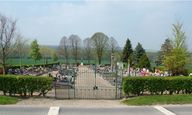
147,22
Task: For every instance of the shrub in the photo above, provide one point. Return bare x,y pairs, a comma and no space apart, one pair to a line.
134,85
157,85
24,85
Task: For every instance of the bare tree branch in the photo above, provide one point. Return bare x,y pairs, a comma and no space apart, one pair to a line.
7,33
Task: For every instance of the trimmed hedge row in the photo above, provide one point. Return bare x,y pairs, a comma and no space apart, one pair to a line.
157,85
24,85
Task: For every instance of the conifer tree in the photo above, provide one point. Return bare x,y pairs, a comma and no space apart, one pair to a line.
127,51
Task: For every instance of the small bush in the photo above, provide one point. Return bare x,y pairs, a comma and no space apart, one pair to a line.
157,85
24,85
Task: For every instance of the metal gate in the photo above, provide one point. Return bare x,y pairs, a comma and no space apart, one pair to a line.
88,82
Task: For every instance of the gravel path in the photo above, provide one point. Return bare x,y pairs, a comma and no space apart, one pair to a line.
86,77
71,103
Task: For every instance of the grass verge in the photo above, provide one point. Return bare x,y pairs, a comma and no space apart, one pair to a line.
8,100
159,99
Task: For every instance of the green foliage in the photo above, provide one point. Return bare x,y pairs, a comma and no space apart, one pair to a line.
24,85
166,48
144,62
140,58
176,60
134,85
157,85
54,57
127,51
139,51
35,52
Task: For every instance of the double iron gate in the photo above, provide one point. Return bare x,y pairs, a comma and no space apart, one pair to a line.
88,82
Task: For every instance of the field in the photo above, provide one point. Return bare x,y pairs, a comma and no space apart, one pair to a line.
28,61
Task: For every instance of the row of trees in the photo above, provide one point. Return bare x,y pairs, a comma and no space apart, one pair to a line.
173,55
98,45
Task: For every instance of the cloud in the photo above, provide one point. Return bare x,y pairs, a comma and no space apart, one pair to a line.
141,21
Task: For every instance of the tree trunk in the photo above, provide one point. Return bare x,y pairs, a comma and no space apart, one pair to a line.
4,62
4,69
99,60
20,62
44,59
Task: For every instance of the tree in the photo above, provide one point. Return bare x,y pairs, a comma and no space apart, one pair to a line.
35,53
87,48
176,60
100,41
127,51
138,53
54,56
113,47
64,48
7,34
45,53
144,62
75,43
20,47
166,48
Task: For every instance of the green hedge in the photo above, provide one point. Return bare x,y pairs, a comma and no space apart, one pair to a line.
157,85
24,85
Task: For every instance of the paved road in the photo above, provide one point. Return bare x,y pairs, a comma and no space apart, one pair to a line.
142,110
180,110
23,110
110,111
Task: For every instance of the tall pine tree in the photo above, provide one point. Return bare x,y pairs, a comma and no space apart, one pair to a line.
144,62
127,51
140,57
139,51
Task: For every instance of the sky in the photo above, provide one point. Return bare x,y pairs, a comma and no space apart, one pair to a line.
146,21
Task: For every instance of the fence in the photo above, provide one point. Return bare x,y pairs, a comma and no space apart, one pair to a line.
90,83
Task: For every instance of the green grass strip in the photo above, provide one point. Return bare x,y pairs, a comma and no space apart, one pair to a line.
159,99
4,100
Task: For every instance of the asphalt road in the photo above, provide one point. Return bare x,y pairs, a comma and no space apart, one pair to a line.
141,110
23,110
180,110
110,111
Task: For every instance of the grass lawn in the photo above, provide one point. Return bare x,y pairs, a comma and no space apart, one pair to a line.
26,61
159,99
8,100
